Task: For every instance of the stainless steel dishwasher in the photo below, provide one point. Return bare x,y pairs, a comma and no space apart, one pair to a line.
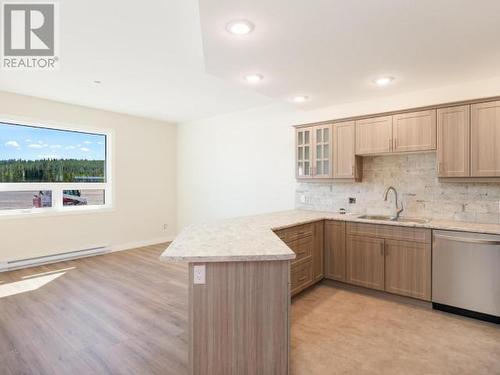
466,274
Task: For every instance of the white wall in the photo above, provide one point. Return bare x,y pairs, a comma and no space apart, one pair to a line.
144,172
235,164
243,163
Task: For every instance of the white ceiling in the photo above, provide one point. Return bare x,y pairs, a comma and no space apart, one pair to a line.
148,55
331,50
169,60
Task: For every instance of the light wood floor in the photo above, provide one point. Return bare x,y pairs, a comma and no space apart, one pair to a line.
338,329
126,313
122,313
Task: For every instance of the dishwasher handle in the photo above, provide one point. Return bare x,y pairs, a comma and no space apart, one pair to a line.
468,240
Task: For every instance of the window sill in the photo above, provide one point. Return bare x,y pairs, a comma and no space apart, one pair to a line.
47,212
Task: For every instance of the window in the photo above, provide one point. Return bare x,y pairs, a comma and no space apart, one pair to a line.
47,169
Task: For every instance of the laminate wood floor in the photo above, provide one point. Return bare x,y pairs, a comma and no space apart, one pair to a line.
126,313
120,313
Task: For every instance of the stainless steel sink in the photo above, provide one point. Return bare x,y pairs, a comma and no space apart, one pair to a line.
390,218
412,220
377,217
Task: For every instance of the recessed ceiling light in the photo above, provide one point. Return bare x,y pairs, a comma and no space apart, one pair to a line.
300,99
253,78
240,27
97,82
383,81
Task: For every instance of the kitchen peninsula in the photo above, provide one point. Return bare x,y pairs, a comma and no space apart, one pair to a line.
239,300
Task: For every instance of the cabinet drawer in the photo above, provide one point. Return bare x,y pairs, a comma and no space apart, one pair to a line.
302,276
302,247
390,232
296,232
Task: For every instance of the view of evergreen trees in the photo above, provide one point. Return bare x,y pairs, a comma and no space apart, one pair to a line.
51,170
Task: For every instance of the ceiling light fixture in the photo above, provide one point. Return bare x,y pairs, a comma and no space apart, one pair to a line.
300,98
240,27
97,82
254,78
383,81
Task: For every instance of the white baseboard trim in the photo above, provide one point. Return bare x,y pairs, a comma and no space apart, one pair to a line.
59,257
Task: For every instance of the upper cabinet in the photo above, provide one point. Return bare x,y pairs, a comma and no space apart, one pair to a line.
469,141
303,142
374,135
345,163
485,139
414,131
406,132
453,141
326,151
322,167
466,138
313,152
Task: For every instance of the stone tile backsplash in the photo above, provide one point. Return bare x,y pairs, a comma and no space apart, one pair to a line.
415,178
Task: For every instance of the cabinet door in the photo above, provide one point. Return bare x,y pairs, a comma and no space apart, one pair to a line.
303,142
415,131
322,152
344,159
485,139
365,262
453,129
374,135
318,250
408,269
335,253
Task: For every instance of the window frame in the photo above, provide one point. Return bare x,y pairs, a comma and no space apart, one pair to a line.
57,187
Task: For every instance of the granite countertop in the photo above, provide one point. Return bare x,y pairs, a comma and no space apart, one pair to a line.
251,238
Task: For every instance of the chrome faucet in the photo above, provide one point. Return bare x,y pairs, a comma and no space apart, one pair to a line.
398,210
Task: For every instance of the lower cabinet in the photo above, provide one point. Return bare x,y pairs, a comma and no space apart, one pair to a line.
301,276
408,268
384,257
335,254
318,250
365,262
307,242
391,258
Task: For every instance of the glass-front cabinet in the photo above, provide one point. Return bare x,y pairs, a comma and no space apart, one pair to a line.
322,152
314,152
304,153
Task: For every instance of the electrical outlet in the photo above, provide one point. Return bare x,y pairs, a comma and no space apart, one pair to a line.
165,227
199,274
302,198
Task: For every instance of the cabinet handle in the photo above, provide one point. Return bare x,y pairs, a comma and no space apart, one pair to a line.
382,248
468,240
390,144
395,143
302,278
440,167
353,172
